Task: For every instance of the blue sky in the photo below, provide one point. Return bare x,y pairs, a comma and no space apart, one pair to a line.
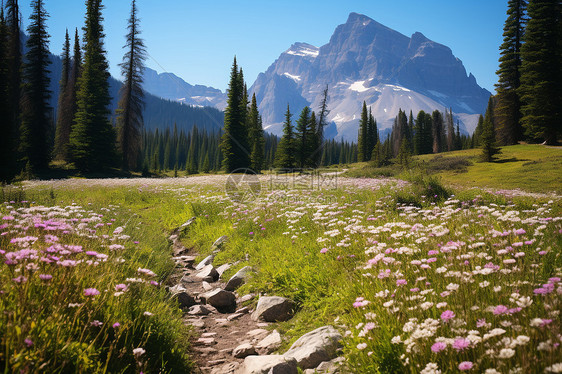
197,40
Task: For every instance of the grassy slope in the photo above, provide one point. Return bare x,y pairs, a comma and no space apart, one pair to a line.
532,168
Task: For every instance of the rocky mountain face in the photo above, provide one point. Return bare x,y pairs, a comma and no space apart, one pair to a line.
367,61
171,87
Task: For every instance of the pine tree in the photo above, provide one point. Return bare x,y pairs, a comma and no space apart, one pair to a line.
131,102
314,146
404,156
6,143
64,113
234,145
362,138
476,136
36,112
376,155
285,155
373,132
257,141
450,130
508,110
302,138
437,128
541,71
92,140
488,138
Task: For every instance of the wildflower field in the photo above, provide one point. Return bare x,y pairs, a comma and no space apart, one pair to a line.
418,278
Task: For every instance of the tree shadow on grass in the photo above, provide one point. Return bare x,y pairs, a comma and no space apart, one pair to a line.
506,160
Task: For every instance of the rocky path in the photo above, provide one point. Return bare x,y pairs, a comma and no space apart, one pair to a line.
233,338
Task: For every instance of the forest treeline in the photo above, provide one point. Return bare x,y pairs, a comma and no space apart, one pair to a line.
91,137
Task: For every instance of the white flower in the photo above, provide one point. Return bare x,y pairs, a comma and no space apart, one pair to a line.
431,368
484,284
396,339
361,346
522,340
506,353
138,352
556,368
492,371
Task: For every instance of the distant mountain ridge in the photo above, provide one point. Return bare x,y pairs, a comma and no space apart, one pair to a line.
367,61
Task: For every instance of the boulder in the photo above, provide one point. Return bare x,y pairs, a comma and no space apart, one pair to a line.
186,224
208,274
219,242
206,261
184,299
244,350
224,267
270,343
274,309
272,364
201,310
220,299
238,279
327,367
315,347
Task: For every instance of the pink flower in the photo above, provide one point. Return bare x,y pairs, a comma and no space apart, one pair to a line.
116,325
481,323
121,287
520,232
401,282
500,309
460,344
91,292
324,250
438,347
447,315
465,365
28,342
45,277
96,323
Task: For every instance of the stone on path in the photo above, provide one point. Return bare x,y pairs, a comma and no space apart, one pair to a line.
238,279
244,350
208,274
221,269
315,347
272,364
201,310
270,343
274,309
206,286
206,261
220,299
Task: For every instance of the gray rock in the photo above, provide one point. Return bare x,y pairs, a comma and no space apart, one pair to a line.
274,309
201,310
315,347
220,299
186,224
327,367
238,279
206,261
173,237
208,274
185,300
272,364
206,286
224,267
244,350
219,242
270,343
245,298
229,368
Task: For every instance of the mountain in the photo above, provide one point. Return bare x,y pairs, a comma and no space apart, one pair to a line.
158,113
170,86
367,61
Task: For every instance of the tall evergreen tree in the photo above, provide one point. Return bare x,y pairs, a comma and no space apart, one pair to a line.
488,138
302,138
541,71
437,129
257,141
64,113
373,133
235,147
323,118
314,146
92,140
450,130
11,123
285,155
508,110
5,123
36,112
131,102
363,138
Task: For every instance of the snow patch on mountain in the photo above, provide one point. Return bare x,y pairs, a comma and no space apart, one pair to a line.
296,78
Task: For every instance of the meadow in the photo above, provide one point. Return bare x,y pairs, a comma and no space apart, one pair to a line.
417,276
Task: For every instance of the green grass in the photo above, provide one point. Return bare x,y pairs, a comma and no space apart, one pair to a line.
531,168
328,251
